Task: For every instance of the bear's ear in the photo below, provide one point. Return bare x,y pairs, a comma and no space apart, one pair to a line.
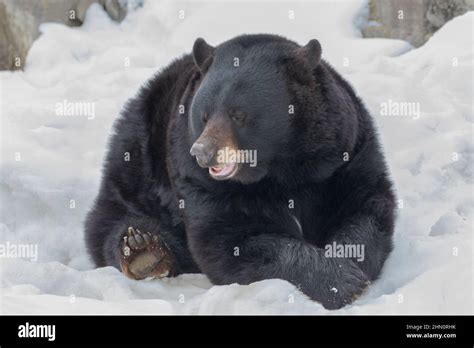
202,51
312,52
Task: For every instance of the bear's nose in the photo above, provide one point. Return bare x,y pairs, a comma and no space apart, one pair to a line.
203,153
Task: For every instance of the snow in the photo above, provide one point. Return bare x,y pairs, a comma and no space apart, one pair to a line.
51,164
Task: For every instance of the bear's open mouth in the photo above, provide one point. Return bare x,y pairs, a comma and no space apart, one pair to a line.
223,171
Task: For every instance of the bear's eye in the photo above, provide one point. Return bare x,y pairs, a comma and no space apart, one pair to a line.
238,116
205,117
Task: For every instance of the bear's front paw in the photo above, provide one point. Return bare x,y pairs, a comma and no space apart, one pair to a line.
144,255
348,285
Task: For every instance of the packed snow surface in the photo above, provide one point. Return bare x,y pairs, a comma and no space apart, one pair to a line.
51,157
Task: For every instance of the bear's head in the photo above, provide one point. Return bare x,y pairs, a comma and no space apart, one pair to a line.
241,114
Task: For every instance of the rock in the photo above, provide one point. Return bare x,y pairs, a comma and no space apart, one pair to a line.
441,11
116,9
20,20
412,20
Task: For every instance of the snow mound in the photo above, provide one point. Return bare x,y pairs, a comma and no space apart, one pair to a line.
51,164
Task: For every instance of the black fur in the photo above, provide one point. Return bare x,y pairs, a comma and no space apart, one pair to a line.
300,158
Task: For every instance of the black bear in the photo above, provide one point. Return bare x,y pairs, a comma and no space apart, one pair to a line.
247,161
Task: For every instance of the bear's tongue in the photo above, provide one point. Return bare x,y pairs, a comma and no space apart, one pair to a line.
222,170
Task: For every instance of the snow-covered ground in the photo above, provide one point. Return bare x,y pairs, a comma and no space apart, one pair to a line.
51,164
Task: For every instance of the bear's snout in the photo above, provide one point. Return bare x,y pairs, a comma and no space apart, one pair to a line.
217,135
204,151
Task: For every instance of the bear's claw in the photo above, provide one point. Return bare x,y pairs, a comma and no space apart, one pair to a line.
144,255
